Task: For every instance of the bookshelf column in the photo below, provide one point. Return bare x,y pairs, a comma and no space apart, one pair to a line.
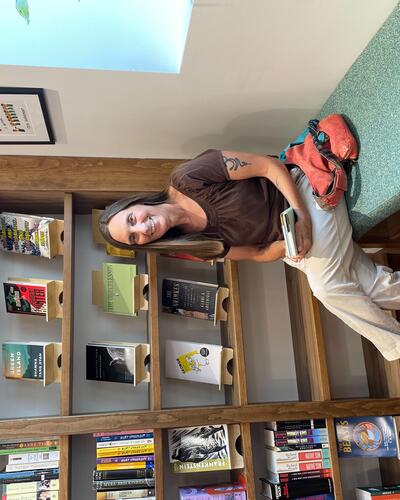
155,376
233,335
67,342
310,356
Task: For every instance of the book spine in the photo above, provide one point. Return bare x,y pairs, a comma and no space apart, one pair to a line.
302,447
285,477
124,450
126,459
110,484
47,445
298,466
123,494
26,458
39,449
290,425
299,441
123,437
30,487
122,474
25,476
50,495
127,442
300,433
126,466
301,456
122,433
32,466
286,491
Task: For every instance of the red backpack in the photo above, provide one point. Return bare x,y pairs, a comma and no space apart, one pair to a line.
320,151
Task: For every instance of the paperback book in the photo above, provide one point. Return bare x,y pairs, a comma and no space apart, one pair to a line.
294,489
194,362
29,361
25,234
41,495
148,493
26,298
118,288
295,425
192,299
115,362
378,492
286,477
199,449
31,487
367,437
213,492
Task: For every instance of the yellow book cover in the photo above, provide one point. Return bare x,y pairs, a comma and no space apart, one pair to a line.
120,451
122,466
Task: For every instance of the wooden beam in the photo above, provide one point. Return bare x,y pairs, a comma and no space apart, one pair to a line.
186,417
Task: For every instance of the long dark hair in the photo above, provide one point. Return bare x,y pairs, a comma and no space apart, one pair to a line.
174,240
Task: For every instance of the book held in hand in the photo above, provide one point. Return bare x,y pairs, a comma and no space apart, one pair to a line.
195,362
31,234
367,437
193,299
35,361
122,362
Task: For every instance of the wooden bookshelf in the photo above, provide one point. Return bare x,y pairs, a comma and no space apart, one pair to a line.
75,186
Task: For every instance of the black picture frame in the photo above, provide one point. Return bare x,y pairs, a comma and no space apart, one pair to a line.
24,117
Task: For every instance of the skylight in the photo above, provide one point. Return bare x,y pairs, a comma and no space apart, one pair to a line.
127,35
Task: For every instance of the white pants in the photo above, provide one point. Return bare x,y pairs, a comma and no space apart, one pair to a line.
347,282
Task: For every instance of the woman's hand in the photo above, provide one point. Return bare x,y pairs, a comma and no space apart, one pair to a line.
303,229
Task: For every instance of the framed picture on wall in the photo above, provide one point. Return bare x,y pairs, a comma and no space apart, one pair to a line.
24,118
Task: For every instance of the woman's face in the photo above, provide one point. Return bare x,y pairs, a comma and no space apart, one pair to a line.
139,224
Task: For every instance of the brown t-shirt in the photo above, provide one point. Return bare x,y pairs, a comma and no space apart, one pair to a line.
244,212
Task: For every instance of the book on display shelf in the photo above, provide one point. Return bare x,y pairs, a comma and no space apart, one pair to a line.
124,460
367,437
195,362
139,494
31,235
378,492
40,495
213,492
123,362
294,489
36,297
194,299
31,487
33,361
296,425
206,448
119,289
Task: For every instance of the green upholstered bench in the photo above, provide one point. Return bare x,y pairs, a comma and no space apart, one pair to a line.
369,97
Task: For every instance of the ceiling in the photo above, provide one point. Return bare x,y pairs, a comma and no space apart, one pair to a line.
253,73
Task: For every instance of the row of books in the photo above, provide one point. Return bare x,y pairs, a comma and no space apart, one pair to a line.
30,470
124,465
122,362
116,292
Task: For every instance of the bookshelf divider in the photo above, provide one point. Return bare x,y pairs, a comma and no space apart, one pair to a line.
309,351
155,375
234,336
67,342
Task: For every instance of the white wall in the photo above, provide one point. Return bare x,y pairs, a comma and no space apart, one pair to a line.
253,72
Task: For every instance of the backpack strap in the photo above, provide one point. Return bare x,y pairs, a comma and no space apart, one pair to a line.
320,138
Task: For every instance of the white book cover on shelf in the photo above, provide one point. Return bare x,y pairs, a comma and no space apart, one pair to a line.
193,361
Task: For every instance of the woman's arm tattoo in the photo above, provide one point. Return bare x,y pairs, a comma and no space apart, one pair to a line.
234,163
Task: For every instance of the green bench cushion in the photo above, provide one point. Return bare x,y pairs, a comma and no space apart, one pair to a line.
369,96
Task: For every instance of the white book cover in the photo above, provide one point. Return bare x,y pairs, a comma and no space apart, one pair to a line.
32,466
193,361
27,458
124,442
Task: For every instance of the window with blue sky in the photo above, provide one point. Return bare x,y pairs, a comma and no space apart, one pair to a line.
126,35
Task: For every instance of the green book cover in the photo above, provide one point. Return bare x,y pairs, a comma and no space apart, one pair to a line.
118,288
23,361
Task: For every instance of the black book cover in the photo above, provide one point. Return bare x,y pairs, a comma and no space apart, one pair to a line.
123,484
285,491
100,475
291,425
110,364
189,298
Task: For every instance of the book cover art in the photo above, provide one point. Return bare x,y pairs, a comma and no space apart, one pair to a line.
26,298
24,361
366,436
192,299
118,288
26,234
228,491
110,363
193,361
199,449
